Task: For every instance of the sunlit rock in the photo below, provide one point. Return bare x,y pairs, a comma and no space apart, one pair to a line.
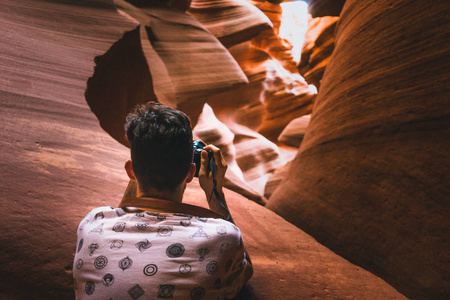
317,48
270,41
286,96
251,158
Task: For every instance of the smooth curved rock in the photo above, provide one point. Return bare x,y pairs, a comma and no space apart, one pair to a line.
55,157
294,132
170,57
57,164
371,177
231,21
317,49
286,96
210,130
270,41
321,8
121,80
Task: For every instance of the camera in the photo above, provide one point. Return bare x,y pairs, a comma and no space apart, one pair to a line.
198,148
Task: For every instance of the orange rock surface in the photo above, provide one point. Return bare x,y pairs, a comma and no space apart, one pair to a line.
317,48
321,8
58,163
371,179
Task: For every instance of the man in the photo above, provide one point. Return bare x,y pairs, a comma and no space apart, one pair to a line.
154,246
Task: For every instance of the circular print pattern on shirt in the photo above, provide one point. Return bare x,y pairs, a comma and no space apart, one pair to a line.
164,231
89,287
185,269
212,267
175,250
197,293
125,263
119,226
79,264
100,262
108,279
150,269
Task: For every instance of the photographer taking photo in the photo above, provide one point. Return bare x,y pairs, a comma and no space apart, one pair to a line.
153,245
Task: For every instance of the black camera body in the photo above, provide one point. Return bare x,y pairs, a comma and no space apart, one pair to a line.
197,160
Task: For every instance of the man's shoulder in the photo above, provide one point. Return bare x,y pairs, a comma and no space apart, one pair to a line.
108,214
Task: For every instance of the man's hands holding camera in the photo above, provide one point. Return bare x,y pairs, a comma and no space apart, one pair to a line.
206,179
205,175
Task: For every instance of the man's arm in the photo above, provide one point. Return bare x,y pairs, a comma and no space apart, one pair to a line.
207,184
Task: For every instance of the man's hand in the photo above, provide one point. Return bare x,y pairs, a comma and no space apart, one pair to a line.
206,179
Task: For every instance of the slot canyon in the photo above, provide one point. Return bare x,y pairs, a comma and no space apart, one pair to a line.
333,118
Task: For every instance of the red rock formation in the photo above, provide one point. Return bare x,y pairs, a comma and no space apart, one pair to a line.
175,57
231,21
321,8
120,81
269,39
317,49
371,178
56,161
57,164
286,96
294,132
210,130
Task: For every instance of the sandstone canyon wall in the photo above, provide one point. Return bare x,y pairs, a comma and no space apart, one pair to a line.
371,179
58,164
321,8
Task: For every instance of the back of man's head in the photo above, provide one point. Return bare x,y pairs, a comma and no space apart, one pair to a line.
161,145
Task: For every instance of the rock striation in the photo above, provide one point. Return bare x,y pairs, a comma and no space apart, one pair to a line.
370,180
286,96
317,48
58,163
322,8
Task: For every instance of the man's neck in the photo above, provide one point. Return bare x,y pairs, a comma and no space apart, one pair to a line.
175,196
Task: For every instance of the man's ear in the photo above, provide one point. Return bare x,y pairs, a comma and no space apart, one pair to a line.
191,173
129,169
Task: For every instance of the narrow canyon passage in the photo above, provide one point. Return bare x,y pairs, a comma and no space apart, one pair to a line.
355,195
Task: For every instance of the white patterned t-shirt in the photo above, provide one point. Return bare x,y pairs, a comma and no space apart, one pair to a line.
148,255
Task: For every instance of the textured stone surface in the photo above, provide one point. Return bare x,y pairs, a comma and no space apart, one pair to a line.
286,97
317,48
321,8
121,69
294,132
231,21
55,157
58,164
371,177
212,131
171,57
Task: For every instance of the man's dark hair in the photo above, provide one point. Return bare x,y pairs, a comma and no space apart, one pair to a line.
161,145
